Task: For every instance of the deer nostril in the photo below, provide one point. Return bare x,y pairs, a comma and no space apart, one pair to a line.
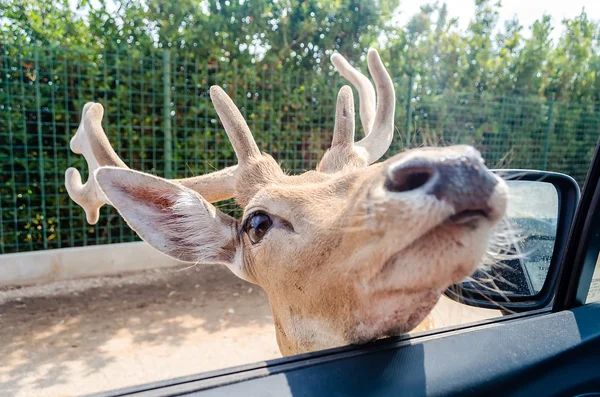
401,178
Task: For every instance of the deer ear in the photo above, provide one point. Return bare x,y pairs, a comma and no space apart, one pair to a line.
173,219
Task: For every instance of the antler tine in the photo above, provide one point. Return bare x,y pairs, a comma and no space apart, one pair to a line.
235,126
377,117
343,152
90,141
366,92
379,139
343,130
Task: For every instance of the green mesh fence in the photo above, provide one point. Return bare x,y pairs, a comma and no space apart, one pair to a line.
159,118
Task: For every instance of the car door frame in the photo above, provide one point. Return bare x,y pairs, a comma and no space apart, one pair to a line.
574,280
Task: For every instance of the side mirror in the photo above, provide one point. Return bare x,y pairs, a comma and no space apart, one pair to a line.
541,208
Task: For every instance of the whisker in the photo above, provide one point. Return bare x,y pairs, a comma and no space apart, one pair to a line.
190,168
494,302
502,162
189,267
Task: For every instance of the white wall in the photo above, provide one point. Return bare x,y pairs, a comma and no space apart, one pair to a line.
41,267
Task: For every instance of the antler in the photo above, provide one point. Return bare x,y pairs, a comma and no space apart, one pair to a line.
377,117
91,141
343,130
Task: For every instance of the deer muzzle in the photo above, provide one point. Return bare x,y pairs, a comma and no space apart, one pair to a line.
457,176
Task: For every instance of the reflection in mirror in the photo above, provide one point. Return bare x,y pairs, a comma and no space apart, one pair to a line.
531,224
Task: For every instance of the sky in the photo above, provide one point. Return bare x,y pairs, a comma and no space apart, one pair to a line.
526,10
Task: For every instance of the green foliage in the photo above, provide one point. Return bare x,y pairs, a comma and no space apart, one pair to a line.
443,59
505,94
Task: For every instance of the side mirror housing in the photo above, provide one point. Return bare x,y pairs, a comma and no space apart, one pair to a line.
540,212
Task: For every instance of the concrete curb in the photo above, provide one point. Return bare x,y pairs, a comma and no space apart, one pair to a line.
41,267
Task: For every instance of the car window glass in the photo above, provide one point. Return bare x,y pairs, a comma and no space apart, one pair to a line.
86,306
594,292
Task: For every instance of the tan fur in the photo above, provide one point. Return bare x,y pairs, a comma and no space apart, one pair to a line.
335,269
347,258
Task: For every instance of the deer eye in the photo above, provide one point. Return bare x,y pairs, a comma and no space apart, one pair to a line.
257,225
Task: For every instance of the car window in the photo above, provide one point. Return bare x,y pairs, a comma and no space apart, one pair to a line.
594,292
86,306
592,256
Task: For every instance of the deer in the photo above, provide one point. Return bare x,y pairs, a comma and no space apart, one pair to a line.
353,251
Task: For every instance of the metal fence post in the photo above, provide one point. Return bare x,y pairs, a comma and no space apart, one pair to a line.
548,130
40,140
409,110
168,155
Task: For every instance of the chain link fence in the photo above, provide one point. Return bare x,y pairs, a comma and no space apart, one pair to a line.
159,118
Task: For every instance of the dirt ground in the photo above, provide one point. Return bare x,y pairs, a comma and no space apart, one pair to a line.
85,336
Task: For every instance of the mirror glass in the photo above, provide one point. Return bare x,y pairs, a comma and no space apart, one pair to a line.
530,228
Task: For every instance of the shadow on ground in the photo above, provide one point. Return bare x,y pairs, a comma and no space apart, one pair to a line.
46,332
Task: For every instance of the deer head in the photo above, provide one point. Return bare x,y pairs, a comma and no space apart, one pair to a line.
351,252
